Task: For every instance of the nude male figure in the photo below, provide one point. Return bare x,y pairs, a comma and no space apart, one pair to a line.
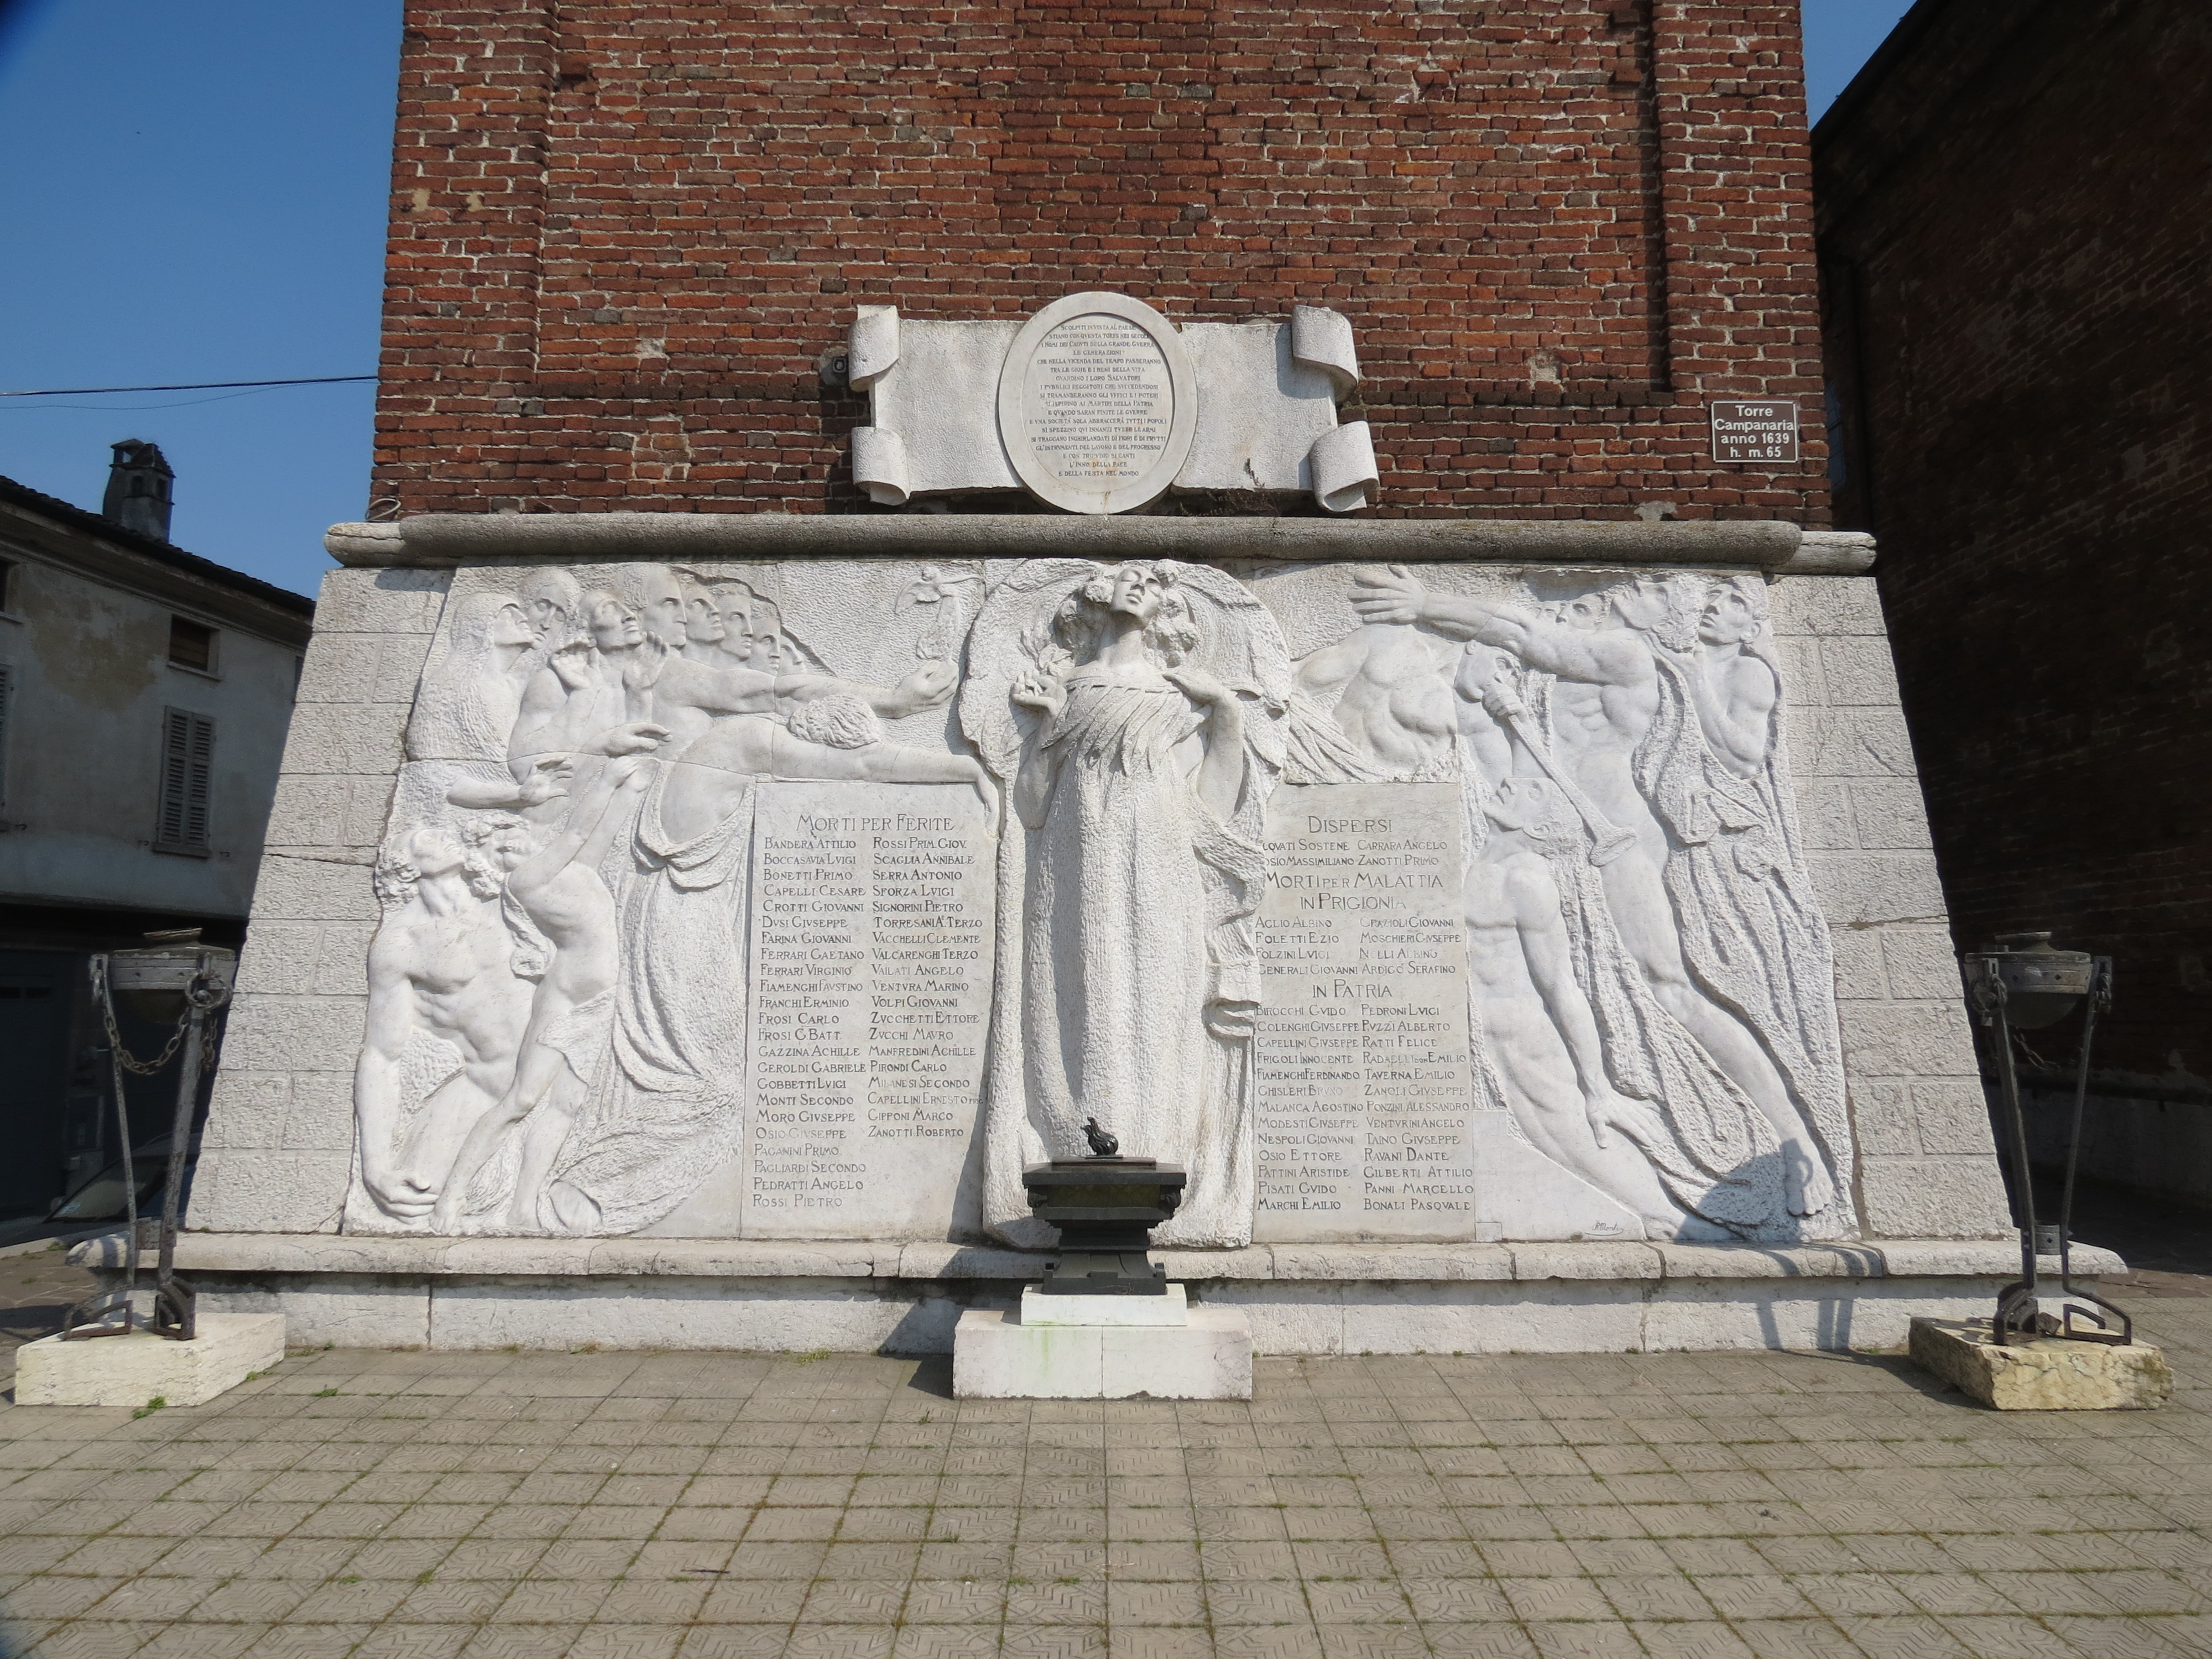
440,964
1733,691
1605,697
560,890
1392,690
835,736
1534,1013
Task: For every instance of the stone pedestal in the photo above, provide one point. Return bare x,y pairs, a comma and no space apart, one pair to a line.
2050,1374
876,928
134,1370
1125,1352
1038,1308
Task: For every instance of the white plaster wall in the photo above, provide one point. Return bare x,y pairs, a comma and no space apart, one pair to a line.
80,774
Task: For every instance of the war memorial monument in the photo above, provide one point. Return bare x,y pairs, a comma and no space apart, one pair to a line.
1256,581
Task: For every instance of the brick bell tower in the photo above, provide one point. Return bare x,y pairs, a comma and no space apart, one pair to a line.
627,236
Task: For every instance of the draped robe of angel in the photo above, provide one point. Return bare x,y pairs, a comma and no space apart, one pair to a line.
1140,788
1752,926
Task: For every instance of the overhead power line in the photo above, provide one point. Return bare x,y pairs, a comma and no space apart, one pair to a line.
186,385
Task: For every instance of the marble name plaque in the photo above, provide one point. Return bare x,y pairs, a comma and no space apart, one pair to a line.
869,982
1099,403
1364,1071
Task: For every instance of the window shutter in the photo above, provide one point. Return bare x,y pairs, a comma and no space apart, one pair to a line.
7,709
187,768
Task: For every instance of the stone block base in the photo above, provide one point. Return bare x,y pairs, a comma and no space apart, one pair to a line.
995,1357
133,1369
2047,1375
860,1298
1173,1309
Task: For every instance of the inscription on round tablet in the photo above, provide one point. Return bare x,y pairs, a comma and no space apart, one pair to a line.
1097,403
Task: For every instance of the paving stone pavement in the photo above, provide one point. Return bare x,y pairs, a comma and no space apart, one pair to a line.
713,1506
37,1286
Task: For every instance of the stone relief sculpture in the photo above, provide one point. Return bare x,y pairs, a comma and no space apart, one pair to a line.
560,1025
1132,714
557,1017
1623,771
447,1009
468,701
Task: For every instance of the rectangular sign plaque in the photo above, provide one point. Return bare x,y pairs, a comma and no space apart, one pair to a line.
1760,434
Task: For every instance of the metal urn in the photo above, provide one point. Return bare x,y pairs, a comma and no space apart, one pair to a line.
1105,1206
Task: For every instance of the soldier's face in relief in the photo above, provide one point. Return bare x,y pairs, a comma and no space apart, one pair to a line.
615,626
664,612
435,851
703,623
511,625
735,607
511,846
1588,613
1518,803
549,601
1641,604
1728,620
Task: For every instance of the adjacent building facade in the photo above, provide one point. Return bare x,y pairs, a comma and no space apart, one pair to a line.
144,694
2020,348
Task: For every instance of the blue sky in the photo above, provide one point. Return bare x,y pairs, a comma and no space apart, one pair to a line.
195,191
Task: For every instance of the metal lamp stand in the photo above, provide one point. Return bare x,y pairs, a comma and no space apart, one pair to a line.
173,972
2021,983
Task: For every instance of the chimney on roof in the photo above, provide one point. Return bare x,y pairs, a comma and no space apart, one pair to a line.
139,482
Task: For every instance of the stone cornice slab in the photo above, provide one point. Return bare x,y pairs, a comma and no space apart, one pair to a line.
408,1257
437,539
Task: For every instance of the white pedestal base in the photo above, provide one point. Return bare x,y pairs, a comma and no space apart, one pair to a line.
995,1357
133,1369
1038,1308
2050,1374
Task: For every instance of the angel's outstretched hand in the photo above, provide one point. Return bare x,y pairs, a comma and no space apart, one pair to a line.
1040,690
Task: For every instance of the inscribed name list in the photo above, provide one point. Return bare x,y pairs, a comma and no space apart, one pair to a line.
1364,1078
1098,403
869,988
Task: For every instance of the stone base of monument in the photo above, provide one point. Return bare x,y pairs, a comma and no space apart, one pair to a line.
1103,1347
2050,1374
1041,1309
141,1367
764,1296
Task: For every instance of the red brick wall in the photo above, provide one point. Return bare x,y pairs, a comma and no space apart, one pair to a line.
2020,225
625,232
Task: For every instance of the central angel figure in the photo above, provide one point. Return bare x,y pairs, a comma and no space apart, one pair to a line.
1131,710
